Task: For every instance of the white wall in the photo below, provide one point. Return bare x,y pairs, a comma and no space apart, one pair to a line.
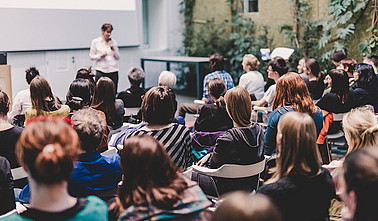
60,67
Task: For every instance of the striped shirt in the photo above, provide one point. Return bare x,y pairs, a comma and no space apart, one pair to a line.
176,141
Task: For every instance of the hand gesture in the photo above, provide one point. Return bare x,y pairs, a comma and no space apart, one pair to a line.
204,159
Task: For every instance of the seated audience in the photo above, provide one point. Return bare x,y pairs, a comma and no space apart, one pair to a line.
340,99
87,74
244,206
301,69
43,101
366,90
22,100
158,109
167,78
315,83
153,187
373,61
104,100
337,57
132,97
93,173
7,201
216,63
214,117
47,149
243,144
276,69
300,187
347,65
291,95
253,80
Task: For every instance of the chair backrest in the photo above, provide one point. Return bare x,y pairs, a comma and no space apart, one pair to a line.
18,173
338,117
110,150
131,111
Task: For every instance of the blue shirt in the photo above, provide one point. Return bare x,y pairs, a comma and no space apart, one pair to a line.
225,76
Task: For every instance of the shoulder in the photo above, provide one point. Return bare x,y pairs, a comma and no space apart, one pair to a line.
95,208
13,216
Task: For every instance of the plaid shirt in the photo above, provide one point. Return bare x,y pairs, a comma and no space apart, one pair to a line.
225,76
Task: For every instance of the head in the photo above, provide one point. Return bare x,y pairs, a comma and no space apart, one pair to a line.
167,78
364,76
30,74
216,62
296,146
312,67
373,61
106,31
301,65
339,82
159,106
360,128
79,94
149,174
337,57
360,173
90,127
4,104
136,76
239,106
245,206
84,73
217,88
291,90
348,65
104,98
250,62
47,149
40,91
277,68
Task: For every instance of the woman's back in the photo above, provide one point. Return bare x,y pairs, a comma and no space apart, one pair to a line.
213,117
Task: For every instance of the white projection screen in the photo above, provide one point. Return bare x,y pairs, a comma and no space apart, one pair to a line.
33,25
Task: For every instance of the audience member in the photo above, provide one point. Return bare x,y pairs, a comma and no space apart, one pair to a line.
216,63
214,117
84,73
43,101
153,188
167,78
276,69
301,69
315,83
366,90
300,187
291,95
93,173
132,97
253,80
158,109
347,65
337,57
241,145
373,61
104,100
340,99
244,206
47,149
7,200
22,100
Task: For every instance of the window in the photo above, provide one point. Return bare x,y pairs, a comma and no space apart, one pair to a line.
251,6
146,39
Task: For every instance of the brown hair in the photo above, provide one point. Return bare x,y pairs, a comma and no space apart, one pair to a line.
348,64
104,99
159,106
239,106
298,152
40,92
251,61
216,62
4,104
150,175
30,74
292,91
107,26
313,65
48,149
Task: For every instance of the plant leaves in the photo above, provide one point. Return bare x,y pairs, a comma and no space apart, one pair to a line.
344,32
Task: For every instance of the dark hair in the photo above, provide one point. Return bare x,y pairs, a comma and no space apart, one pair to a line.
314,66
348,64
338,56
279,65
79,94
216,62
340,84
4,104
291,90
84,73
218,89
367,79
104,99
90,126
40,90
48,148
150,175
159,106
31,73
107,26
373,58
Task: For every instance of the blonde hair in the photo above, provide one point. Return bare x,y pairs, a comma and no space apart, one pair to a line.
251,61
298,152
360,128
239,106
167,78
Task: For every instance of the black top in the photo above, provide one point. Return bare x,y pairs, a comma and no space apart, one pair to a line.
316,89
213,118
132,97
8,140
364,96
302,198
7,201
332,103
